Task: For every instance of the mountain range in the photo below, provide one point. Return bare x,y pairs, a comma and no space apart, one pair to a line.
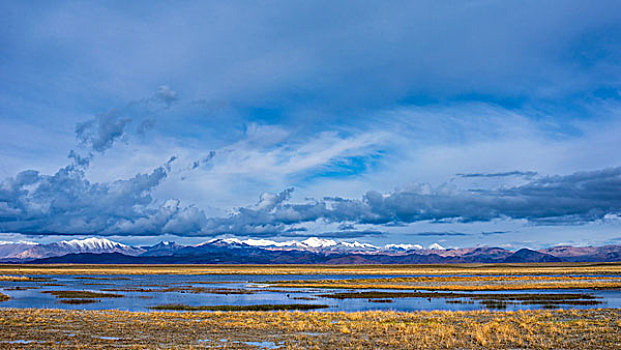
309,251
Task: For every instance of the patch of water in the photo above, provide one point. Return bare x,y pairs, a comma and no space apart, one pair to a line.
108,338
265,344
21,341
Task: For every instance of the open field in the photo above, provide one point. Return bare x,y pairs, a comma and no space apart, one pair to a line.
571,329
450,269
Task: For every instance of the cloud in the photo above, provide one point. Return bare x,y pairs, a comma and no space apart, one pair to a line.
166,95
67,203
102,131
527,174
441,234
579,197
203,161
488,233
99,133
343,234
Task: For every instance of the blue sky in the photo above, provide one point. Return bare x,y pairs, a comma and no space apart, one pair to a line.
464,123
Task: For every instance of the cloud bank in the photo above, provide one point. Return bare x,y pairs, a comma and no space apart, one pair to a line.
579,197
67,203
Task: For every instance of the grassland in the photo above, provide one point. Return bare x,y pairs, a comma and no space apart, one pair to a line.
447,269
570,329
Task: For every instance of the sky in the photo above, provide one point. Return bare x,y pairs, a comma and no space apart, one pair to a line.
464,123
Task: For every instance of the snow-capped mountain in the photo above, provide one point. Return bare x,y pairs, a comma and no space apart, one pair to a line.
310,250
312,244
75,246
13,249
30,250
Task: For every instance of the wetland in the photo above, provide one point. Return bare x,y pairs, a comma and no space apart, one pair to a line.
523,306
396,288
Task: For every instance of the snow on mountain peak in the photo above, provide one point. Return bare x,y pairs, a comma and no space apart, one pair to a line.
268,243
436,246
356,244
315,242
259,242
403,246
93,243
75,246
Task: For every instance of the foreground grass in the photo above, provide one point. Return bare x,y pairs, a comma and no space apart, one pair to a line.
259,307
444,269
570,329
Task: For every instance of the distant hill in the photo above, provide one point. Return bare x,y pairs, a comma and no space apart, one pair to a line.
530,256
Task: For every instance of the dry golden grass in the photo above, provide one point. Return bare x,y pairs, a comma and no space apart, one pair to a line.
450,269
571,329
15,278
